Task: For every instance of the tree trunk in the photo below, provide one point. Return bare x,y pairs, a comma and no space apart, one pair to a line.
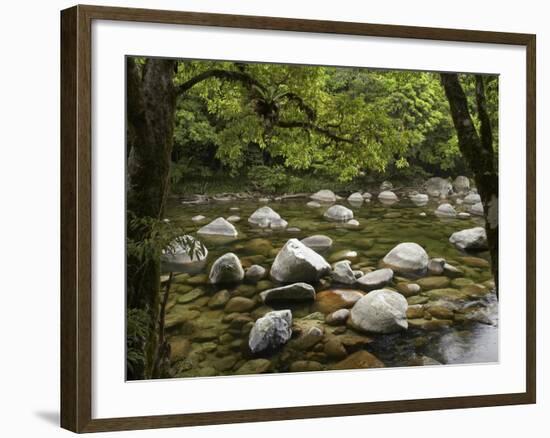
151,104
478,152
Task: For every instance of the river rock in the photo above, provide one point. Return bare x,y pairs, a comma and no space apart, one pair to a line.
324,196
342,273
263,217
338,213
472,239
408,259
357,360
472,198
305,365
338,317
356,198
408,289
436,266
198,218
219,299
386,185
226,269
428,283
313,204
464,215
461,184
255,366
477,209
318,242
387,195
376,279
239,305
367,196
219,227
452,271
278,224
334,349
233,219
419,199
271,331
352,223
331,300
296,262
255,273
178,257
438,187
292,292
445,210
380,311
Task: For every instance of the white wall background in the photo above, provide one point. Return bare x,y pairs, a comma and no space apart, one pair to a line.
29,217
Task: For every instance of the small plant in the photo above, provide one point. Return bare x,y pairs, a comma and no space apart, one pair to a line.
268,179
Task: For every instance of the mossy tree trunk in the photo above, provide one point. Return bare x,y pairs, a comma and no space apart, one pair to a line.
151,104
477,149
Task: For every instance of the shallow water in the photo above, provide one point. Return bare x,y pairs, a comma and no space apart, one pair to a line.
208,343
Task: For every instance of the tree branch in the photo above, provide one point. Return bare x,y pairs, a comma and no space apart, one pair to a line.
226,75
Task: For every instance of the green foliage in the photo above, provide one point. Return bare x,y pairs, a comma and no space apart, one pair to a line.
138,326
267,179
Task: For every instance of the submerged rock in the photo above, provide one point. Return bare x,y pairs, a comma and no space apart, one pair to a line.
255,366
357,360
198,218
445,210
313,204
263,217
388,196
338,213
419,199
337,317
376,279
472,239
255,273
226,269
292,292
436,266
408,259
233,219
356,198
296,262
342,273
324,196
331,300
318,242
219,227
271,331
380,311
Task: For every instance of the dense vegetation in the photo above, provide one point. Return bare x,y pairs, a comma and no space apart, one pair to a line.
205,126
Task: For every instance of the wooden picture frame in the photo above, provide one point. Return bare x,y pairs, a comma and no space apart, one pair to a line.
76,217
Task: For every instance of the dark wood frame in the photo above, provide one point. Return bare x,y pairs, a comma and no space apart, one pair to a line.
76,173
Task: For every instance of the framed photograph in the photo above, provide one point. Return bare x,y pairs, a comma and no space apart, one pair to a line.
270,218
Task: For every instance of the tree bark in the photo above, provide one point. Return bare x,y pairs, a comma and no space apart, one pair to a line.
478,151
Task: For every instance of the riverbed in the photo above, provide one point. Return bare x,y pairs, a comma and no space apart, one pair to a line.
207,339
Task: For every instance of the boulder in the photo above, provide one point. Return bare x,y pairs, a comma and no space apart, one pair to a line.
477,209
419,199
376,279
296,262
356,198
226,269
408,259
324,196
255,273
380,311
472,239
263,217
338,213
438,187
219,227
271,331
292,292
318,242
388,196
461,184
342,273
472,198
445,210
178,257
278,224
